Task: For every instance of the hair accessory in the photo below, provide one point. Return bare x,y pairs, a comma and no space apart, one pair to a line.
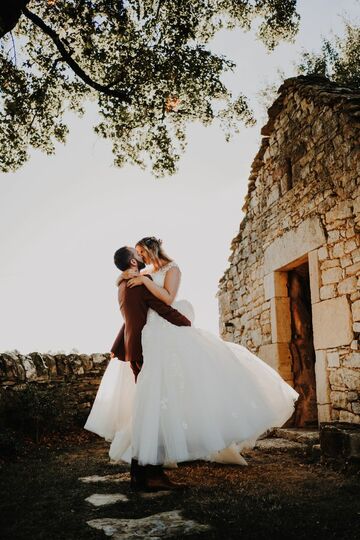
150,240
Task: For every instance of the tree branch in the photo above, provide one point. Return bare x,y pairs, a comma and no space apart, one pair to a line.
123,96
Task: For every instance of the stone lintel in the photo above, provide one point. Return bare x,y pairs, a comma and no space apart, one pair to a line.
294,245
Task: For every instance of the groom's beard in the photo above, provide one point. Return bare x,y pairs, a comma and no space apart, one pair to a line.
141,265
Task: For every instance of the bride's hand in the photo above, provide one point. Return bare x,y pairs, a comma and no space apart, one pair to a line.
134,282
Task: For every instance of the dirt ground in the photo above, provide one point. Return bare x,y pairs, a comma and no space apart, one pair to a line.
282,495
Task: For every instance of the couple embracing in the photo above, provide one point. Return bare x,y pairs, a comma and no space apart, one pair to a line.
173,392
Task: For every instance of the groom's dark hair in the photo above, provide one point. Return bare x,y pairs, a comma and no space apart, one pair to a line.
122,258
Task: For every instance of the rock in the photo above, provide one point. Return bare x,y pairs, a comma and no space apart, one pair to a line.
301,435
104,499
158,526
340,440
276,443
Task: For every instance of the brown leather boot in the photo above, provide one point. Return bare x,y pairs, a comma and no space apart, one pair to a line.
156,480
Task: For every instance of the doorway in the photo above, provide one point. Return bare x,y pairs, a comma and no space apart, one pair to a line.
302,347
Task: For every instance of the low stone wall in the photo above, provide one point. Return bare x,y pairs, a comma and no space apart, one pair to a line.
82,372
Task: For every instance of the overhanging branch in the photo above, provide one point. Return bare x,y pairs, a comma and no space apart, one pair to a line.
123,96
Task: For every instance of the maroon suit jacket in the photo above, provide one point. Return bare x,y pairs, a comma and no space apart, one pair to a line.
134,304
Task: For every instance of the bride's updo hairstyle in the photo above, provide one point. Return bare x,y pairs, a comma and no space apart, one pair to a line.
152,247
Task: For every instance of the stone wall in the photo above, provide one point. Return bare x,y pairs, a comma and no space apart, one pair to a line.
81,372
303,205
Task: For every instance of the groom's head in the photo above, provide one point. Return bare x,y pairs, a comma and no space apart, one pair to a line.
127,257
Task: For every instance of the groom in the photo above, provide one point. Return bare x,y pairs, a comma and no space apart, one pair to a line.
134,304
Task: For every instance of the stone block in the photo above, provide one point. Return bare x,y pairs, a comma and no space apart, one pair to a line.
340,441
338,250
330,263
275,284
355,308
324,412
347,416
336,379
333,359
328,291
351,378
332,275
355,255
321,377
314,275
355,407
332,324
350,245
338,399
280,320
342,210
346,261
353,269
278,356
347,285
294,244
224,303
323,253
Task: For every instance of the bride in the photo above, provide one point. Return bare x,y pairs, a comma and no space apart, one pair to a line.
196,396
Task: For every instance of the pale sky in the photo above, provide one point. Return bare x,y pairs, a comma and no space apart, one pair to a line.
63,217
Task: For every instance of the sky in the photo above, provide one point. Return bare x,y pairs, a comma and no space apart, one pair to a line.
62,217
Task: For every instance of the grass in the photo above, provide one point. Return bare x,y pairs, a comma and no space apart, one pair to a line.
282,495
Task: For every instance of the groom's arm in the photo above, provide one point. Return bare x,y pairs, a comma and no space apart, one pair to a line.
118,348
165,311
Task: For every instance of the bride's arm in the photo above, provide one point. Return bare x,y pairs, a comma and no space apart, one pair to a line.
168,292
130,273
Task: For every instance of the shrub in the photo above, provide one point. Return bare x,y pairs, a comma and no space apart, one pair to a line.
37,411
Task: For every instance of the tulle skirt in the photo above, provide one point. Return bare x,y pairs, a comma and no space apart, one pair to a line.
195,396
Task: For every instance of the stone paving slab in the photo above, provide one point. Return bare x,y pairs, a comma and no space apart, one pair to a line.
105,499
109,478
158,526
153,494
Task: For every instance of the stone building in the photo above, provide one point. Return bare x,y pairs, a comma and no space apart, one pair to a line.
292,291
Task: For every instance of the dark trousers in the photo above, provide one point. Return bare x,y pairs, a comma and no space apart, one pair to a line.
140,473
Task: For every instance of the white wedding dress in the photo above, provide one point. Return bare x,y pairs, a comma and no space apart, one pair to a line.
196,397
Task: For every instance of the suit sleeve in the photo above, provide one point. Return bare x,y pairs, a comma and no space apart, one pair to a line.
165,311
118,347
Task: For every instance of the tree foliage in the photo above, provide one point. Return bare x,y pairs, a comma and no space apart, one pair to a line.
147,65
339,60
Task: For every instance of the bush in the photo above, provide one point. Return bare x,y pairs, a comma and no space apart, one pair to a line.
37,411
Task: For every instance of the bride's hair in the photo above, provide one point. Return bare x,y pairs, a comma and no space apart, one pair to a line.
153,248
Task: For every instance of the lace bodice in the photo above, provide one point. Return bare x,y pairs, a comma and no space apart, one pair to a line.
159,275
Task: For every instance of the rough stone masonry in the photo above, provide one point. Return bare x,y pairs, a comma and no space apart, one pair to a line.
292,291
